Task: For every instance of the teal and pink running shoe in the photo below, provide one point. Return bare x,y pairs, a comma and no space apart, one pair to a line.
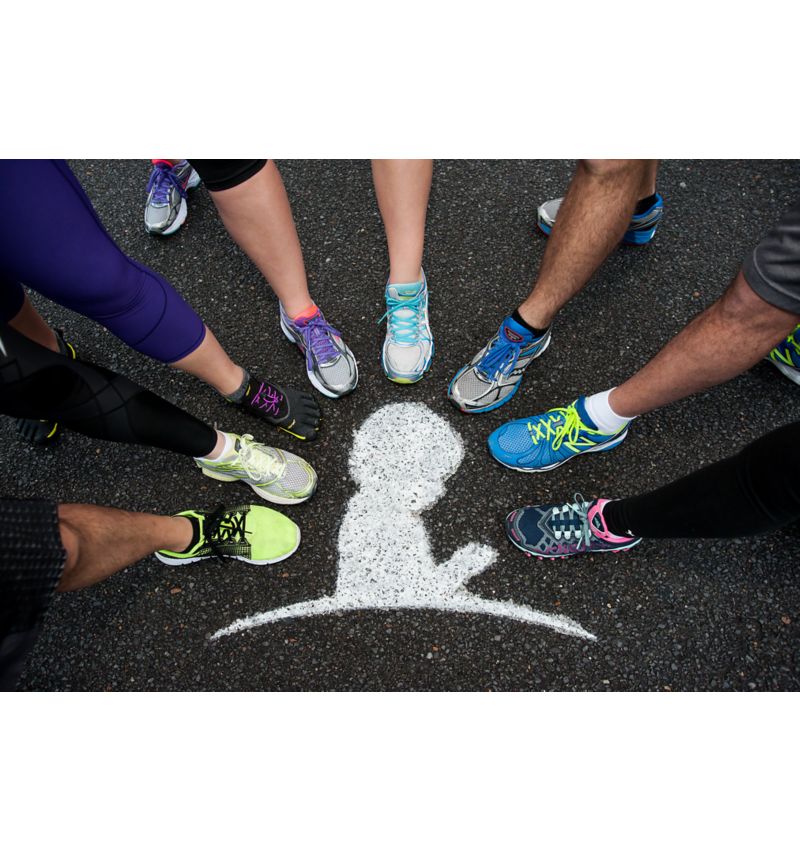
543,442
559,531
641,229
786,356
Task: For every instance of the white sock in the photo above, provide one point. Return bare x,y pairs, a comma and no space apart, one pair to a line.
225,449
601,412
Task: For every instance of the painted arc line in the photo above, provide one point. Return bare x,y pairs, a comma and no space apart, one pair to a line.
464,604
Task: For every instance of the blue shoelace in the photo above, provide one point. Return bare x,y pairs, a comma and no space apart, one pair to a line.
501,358
404,329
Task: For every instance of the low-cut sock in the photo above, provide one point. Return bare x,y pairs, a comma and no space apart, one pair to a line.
537,332
227,449
645,204
602,414
305,315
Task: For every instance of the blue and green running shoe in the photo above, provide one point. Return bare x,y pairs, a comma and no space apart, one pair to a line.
786,356
494,374
543,442
640,231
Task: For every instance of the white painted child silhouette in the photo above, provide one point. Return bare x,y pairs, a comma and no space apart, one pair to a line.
401,457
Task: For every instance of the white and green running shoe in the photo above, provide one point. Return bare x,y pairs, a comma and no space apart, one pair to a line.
275,475
250,533
408,347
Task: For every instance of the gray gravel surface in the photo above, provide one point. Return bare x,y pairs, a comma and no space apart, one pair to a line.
669,615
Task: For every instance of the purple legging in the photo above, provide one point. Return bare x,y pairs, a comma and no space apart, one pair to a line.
51,240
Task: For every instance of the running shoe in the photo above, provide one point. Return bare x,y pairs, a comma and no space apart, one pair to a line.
166,207
558,531
292,411
250,533
786,356
544,442
641,230
275,475
494,374
330,365
45,432
408,347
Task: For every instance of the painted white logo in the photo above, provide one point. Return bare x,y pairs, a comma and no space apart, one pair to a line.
402,455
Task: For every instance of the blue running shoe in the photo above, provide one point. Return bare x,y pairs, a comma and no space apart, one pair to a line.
786,356
166,209
543,442
495,372
559,531
641,230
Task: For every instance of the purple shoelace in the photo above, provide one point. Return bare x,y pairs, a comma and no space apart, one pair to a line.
267,399
316,333
162,177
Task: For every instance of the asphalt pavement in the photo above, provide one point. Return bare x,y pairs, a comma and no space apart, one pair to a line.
676,615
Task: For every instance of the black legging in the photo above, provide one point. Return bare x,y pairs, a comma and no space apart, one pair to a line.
755,491
36,383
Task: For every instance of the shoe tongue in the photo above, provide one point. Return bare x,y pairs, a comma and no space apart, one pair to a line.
513,331
404,291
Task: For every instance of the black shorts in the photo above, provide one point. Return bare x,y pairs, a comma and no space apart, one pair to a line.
31,563
220,174
773,269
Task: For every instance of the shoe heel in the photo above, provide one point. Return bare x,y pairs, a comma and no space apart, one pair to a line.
639,237
287,333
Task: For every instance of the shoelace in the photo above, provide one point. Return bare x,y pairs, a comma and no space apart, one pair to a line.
316,333
162,177
405,329
267,399
257,462
215,532
501,358
563,522
570,428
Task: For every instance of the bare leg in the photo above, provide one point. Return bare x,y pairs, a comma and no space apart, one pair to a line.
258,216
591,222
102,541
690,362
30,324
402,187
211,363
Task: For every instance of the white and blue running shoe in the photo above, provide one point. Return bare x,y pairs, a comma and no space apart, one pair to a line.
543,442
408,347
494,374
166,208
640,231
786,356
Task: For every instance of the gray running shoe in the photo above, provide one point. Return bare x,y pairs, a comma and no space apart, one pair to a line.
166,207
641,230
330,365
495,372
408,347
275,475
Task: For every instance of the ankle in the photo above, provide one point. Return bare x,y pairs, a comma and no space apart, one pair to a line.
406,274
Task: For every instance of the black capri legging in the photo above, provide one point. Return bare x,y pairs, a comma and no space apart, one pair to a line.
219,174
36,383
755,491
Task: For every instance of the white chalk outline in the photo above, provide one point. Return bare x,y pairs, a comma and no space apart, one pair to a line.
402,455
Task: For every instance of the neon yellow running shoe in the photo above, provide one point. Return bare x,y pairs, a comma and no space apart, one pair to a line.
275,475
250,533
